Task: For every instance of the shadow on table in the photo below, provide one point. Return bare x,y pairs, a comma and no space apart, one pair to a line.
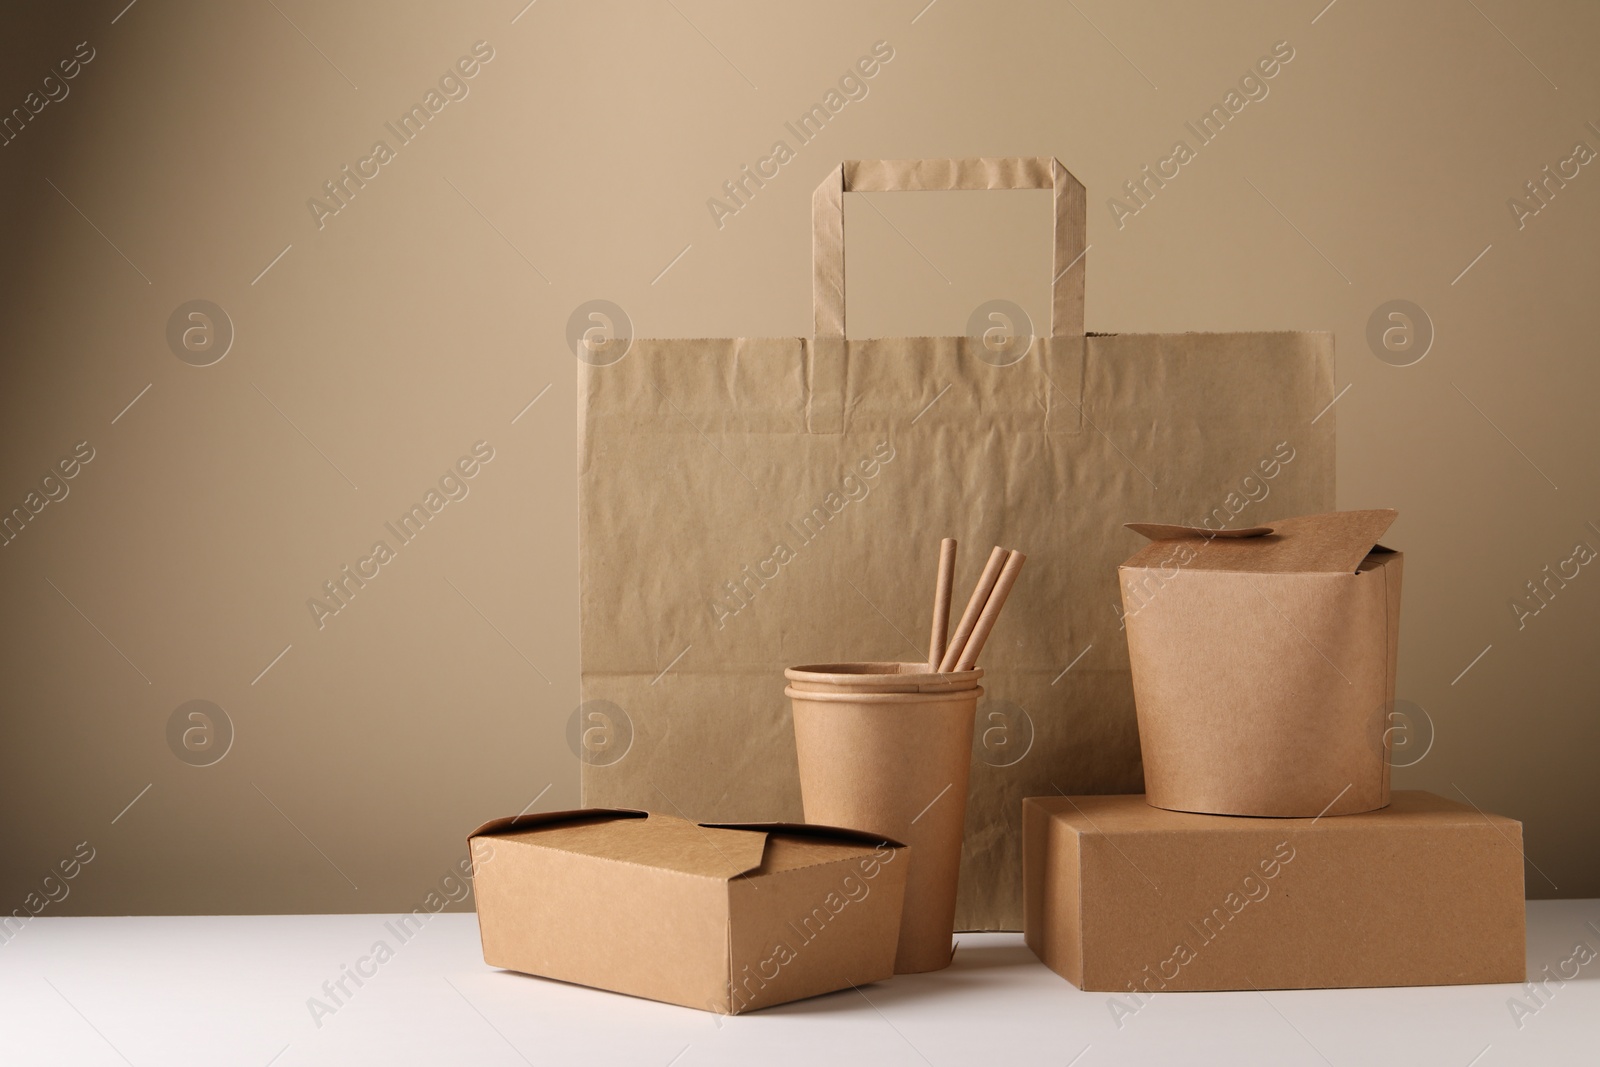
989,957
1565,946
974,967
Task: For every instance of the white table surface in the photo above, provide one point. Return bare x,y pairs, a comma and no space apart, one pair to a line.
234,990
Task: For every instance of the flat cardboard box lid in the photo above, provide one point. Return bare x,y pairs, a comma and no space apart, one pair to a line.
1332,543
721,851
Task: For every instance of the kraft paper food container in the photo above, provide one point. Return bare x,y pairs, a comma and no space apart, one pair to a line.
893,763
723,917
1264,664
1121,897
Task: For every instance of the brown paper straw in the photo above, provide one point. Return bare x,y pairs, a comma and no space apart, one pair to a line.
968,657
969,618
941,602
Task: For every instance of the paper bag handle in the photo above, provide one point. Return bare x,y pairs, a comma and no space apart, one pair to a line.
895,175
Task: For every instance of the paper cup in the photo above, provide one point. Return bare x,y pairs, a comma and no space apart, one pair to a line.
886,748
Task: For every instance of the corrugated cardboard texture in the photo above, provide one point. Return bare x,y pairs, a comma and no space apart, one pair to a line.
1264,667
725,919
772,543
1127,898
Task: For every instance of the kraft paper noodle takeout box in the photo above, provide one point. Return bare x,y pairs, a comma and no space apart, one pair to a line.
1264,664
723,917
1126,898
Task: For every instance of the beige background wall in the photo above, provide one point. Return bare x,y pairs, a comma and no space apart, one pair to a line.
424,316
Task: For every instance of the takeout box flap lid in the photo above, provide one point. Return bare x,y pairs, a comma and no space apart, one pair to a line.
529,820
647,839
810,829
1331,543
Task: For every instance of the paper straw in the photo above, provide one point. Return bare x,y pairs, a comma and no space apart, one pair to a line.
941,602
968,657
969,618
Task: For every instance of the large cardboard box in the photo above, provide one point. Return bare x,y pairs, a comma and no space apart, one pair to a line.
1123,897
727,918
1264,664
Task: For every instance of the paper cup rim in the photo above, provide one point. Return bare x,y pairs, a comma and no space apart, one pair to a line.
856,696
881,676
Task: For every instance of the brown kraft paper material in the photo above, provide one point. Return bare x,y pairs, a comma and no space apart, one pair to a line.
1131,899
896,764
749,504
1264,665
725,918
